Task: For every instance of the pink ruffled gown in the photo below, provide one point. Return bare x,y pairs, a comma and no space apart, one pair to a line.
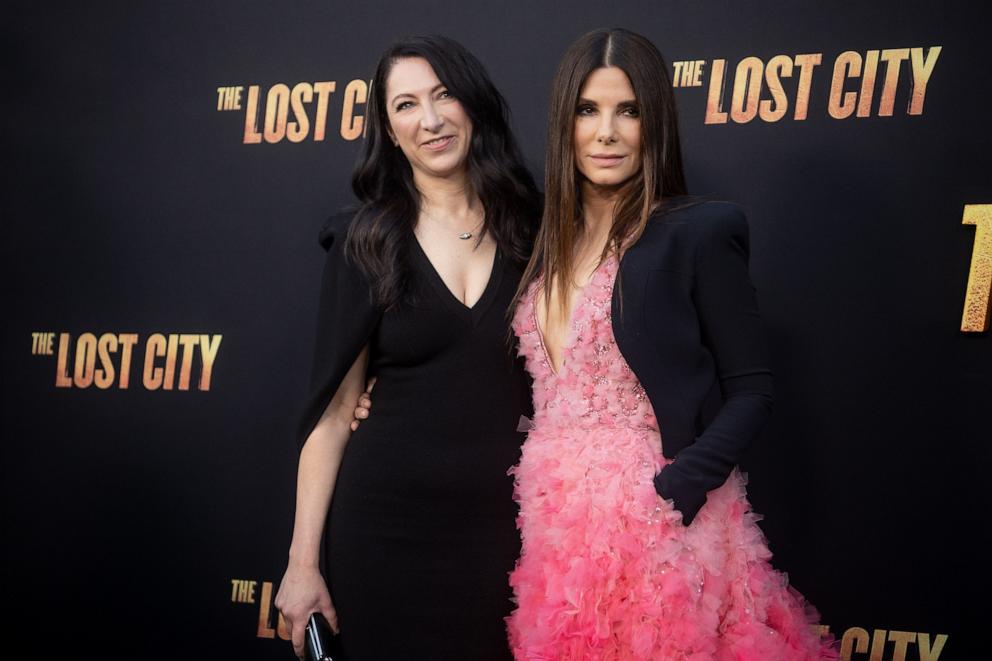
607,569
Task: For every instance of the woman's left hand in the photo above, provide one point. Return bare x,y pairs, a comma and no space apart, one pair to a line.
364,404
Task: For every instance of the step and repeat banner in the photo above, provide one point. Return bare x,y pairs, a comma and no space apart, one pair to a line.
168,166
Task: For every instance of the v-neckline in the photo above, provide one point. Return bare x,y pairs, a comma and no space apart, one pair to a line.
569,340
474,313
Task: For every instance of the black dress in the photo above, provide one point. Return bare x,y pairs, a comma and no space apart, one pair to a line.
421,533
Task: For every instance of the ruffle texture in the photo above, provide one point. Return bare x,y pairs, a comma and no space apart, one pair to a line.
607,570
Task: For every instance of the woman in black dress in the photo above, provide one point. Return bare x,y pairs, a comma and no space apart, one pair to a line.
420,520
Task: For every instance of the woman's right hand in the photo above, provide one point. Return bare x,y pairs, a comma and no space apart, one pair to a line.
302,592
363,406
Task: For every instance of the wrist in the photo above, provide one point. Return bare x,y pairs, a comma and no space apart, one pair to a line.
304,559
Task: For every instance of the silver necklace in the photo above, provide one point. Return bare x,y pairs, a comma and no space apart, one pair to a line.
464,236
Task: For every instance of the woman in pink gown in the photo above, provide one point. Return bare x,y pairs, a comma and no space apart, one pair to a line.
610,568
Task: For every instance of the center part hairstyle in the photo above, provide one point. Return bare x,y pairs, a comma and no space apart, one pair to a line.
380,234
659,177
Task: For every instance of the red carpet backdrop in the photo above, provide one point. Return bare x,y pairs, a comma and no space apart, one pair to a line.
169,165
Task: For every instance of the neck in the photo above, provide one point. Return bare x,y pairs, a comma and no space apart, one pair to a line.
450,198
598,205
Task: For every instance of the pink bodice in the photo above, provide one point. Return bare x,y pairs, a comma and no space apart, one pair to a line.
594,385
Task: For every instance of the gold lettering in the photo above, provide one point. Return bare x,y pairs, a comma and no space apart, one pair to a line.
780,65
276,113
893,57
714,100
352,126
189,342
928,653
902,640
154,348
264,630
104,376
868,84
323,91
85,360
747,90
208,353
855,639
170,361
41,343
975,318
243,591
805,63
842,104
229,98
127,340
252,136
697,76
62,378
877,645
921,76
297,131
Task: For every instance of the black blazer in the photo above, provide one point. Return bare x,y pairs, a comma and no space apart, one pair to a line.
688,327
687,323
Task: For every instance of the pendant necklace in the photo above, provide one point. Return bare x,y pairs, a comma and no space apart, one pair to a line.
464,236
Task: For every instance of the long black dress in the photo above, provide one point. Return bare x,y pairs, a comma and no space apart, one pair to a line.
421,533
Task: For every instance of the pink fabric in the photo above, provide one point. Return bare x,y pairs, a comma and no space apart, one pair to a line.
607,570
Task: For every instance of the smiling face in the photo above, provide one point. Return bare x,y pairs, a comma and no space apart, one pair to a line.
607,134
425,120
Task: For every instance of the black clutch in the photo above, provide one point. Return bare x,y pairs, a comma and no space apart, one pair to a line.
318,639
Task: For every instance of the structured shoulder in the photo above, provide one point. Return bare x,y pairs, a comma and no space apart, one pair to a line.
678,239
720,229
706,216
710,221
726,213
335,228
698,222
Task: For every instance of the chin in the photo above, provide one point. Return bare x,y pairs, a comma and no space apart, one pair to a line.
447,167
609,180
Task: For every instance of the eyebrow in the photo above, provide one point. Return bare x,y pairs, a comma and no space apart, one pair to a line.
625,102
432,90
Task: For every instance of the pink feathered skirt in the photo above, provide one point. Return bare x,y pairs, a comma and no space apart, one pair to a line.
608,571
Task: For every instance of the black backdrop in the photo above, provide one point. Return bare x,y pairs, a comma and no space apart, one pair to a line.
150,521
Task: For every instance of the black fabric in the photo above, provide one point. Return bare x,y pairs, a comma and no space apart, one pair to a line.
421,532
689,324
345,319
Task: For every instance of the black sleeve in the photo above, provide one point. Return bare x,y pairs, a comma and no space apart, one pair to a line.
727,308
346,318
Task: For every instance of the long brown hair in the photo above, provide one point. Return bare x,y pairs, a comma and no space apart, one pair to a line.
659,177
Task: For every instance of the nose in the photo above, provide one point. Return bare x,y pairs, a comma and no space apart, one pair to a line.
430,120
606,132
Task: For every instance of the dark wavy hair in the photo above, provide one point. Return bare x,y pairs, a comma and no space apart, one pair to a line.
383,178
